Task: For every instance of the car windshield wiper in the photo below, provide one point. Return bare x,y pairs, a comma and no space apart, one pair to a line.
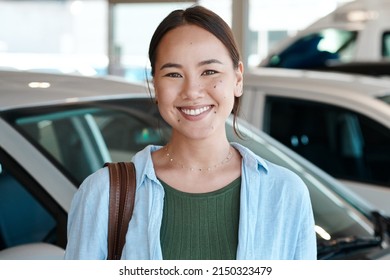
330,248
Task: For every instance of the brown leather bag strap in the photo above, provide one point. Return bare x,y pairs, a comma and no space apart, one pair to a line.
121,205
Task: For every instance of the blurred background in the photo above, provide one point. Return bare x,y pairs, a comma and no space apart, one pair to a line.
331,128
100,37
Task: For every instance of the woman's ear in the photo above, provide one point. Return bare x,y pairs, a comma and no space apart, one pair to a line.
240,79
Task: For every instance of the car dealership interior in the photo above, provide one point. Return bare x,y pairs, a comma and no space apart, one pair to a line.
77,91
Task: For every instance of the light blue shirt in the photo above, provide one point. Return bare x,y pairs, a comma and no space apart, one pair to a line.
276,218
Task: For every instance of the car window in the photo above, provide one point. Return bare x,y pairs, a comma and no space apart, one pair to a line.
344,143
386,44
23,219
96,133
317,49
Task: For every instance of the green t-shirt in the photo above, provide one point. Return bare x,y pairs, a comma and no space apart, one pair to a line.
201,226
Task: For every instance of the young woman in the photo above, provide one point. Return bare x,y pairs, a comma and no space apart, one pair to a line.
198,197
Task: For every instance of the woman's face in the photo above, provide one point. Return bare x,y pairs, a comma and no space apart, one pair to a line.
195,82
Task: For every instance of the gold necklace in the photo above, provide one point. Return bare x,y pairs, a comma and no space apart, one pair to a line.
200,169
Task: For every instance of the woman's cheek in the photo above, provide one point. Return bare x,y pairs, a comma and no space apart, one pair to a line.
165,91
218,87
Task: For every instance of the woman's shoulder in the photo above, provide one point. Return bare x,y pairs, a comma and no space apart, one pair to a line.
95,185
144,155
282,174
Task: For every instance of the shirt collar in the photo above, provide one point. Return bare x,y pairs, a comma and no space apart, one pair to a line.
144,164
250,157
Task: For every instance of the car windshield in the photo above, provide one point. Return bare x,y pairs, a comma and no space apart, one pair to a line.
318,49
80,138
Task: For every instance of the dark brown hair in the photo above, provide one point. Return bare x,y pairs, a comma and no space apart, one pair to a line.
206,19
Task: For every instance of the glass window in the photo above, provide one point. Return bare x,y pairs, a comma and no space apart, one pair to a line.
344,143
386,44
77,33
317,50
23,219
376,140
96,133
130,42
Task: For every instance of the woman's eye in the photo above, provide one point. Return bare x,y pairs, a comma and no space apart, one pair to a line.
173,75
208,72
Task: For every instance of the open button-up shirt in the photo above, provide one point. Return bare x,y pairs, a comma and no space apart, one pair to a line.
276,217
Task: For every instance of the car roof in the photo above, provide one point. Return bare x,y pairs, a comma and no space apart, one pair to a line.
318,81
26,89
356,13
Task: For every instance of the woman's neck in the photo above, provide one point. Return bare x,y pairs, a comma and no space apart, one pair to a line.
198,153
198,160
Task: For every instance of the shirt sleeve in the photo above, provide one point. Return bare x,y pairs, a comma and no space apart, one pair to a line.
88,219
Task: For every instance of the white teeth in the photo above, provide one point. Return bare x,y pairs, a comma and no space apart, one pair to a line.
195,112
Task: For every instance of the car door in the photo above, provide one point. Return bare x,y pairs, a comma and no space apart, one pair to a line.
27,213
345,143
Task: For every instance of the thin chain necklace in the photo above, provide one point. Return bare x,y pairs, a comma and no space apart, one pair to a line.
171,160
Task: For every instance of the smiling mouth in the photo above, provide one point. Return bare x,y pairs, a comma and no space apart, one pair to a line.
195,112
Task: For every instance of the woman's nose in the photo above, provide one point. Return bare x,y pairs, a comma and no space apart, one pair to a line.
192,89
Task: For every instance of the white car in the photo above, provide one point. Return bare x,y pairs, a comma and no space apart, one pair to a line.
358,31
339,122
56,130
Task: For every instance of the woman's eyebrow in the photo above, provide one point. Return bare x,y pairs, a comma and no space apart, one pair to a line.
170,65
202,63
209,61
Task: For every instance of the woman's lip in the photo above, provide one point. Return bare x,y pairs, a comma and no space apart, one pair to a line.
194,111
